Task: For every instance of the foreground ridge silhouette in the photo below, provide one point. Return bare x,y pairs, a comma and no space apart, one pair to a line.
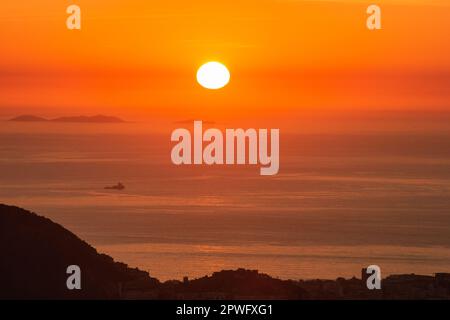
36,252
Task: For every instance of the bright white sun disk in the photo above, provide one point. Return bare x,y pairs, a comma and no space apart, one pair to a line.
213,75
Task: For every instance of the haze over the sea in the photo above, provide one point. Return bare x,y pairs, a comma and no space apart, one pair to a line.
341,201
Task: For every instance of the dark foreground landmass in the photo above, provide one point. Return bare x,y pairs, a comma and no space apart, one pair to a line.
36,253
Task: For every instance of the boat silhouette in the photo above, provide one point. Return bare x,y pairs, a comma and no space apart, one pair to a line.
118,186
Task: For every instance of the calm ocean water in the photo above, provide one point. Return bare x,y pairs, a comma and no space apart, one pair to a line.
339,203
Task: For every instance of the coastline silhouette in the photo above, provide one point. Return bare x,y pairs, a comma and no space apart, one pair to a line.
37,252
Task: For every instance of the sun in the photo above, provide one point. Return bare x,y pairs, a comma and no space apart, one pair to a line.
213,75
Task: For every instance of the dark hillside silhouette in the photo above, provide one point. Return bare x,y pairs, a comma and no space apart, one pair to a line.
36,253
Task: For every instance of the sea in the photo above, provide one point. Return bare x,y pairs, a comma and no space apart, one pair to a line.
341,201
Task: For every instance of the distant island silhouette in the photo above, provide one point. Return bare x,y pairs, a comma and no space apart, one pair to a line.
82,119
118,186
36,252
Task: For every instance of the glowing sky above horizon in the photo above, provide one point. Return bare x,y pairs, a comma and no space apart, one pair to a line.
139,58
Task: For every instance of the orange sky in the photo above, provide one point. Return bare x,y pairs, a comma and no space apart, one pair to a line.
138,59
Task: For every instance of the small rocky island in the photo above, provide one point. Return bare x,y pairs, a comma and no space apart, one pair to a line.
77,119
